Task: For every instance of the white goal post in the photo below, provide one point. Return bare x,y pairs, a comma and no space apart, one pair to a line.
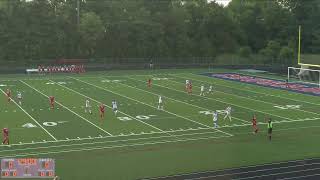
304,75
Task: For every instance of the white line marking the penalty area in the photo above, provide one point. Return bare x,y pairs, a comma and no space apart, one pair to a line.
111,108
68,109
32,118
150,105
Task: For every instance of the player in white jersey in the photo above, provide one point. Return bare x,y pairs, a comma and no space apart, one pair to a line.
19,96
215,119
202,90
114,107
160,103
88,107
228,113
187,84
210,89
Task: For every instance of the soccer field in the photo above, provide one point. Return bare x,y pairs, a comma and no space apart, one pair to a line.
142,141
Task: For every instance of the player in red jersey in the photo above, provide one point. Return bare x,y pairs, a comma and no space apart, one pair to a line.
254,124
149,82
8,94
51,99
102,109
5,132
190,88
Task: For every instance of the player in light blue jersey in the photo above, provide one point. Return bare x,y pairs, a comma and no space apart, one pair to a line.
19,96
228,113
215,119
115,107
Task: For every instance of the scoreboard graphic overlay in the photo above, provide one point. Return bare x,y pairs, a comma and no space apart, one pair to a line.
27,168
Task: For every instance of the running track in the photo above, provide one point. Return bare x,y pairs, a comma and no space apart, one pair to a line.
308,169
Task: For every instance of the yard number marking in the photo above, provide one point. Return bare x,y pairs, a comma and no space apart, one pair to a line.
159,79
288,107
48,124
205,112
140,117
108,81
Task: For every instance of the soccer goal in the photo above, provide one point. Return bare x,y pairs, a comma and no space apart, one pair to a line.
305,75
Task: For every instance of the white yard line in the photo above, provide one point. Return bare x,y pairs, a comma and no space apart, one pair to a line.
112,147
265,102
278,96
68,109
32,118
111,141
174,99
115,136
149,105
227,103
111,108
125,140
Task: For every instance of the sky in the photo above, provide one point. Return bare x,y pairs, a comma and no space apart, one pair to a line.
223,2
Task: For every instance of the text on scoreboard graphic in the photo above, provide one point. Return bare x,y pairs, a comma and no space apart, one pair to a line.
27,168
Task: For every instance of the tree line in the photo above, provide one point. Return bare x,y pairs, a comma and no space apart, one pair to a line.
51,29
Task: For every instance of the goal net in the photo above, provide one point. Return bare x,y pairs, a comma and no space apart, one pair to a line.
305,75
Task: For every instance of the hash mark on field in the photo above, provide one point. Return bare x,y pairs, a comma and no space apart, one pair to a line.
67,138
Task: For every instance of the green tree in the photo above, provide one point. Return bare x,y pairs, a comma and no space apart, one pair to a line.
245,51
91,30
286,55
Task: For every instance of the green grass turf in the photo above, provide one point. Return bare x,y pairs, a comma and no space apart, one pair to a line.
142,141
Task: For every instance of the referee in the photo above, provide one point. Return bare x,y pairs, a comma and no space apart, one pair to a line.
270,128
